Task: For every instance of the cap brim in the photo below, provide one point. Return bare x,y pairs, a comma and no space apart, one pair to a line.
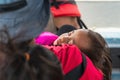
28,22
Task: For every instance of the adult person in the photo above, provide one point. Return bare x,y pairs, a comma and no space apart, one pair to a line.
66,16
24,28
20,22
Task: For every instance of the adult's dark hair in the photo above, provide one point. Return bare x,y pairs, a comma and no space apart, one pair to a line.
99,53
42,64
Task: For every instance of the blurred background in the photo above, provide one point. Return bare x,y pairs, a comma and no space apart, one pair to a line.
103,16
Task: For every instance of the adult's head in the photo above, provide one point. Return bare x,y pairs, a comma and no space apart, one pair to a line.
20,21
66,11
23,19
93,45
37,64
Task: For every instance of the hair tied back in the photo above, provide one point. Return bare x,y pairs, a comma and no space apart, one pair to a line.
27,56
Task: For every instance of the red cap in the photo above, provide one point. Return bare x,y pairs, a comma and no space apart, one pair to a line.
65,10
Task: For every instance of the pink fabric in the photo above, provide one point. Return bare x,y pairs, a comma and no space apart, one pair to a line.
70,57
45,38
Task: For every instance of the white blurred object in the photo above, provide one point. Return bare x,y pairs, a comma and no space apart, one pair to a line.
111,35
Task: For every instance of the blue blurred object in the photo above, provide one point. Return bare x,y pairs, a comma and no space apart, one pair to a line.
112,38
116,74
7,1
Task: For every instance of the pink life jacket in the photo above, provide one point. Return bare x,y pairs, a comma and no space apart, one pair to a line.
71,59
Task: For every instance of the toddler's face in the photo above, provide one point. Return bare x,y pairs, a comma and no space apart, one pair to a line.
78,37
